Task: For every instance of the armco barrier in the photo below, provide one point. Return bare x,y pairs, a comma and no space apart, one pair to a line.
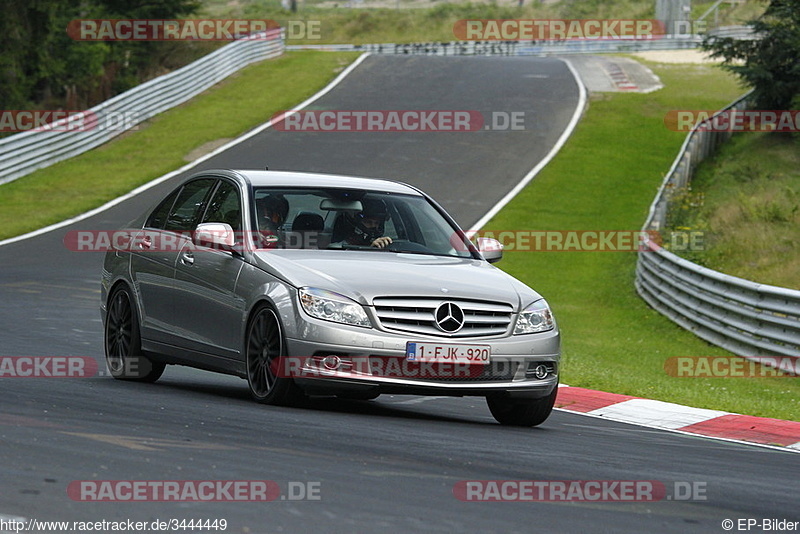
536,48
513,48
23,153
735,32
744,317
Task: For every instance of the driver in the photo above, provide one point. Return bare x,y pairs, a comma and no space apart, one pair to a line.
271,212
367,226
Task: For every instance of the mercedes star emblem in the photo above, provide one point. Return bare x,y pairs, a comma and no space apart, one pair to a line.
449,317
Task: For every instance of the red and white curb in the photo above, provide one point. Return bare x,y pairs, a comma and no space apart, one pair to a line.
684,419
620,77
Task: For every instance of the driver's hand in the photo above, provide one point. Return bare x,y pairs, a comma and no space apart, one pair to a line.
382,242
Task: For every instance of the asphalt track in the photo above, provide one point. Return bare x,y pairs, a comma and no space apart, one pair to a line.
383,466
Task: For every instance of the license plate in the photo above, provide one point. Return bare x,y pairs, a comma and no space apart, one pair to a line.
452,353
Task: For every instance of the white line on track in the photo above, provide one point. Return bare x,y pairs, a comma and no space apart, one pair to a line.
638,421
188,166
685,433
579,109
576,117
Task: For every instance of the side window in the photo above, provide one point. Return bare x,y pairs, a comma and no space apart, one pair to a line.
184,214
159,215
225,206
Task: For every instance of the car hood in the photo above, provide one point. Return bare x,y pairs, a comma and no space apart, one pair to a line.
365,275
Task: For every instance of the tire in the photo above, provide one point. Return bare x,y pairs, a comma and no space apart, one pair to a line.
528,412
264,343
123,342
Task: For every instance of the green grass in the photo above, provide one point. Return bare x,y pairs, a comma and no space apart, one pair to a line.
605,179
432,23
729,14
379,21
746,200
236,105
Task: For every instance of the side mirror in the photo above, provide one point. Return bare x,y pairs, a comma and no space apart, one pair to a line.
491,249
215,235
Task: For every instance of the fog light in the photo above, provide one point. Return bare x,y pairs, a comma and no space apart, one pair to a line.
541,371
331,362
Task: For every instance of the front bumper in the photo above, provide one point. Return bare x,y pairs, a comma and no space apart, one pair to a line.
330,359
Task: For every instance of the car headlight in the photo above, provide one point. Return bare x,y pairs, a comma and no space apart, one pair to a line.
535,318
330,306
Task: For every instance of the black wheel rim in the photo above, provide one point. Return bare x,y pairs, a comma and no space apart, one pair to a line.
119,326
263,347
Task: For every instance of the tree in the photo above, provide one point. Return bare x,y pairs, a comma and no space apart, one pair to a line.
41,66
770,64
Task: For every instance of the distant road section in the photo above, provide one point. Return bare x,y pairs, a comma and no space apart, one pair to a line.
467,171
396,464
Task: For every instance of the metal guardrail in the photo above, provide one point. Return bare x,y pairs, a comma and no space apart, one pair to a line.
749,319
26,152
735,32
23,153
534,48
513,48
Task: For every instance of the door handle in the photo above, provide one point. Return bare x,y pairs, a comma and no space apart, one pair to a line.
187,258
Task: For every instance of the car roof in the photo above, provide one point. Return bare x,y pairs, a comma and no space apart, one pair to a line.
307,179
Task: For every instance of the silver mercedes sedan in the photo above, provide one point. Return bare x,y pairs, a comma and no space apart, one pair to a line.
310,284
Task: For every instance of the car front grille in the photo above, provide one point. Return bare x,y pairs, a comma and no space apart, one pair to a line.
418,315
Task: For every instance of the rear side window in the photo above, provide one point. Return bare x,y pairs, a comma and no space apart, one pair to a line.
159,215
187,208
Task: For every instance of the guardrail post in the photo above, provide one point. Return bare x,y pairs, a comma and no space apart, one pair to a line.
749,319
26,152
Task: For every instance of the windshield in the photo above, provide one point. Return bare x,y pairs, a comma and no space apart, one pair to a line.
337,219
